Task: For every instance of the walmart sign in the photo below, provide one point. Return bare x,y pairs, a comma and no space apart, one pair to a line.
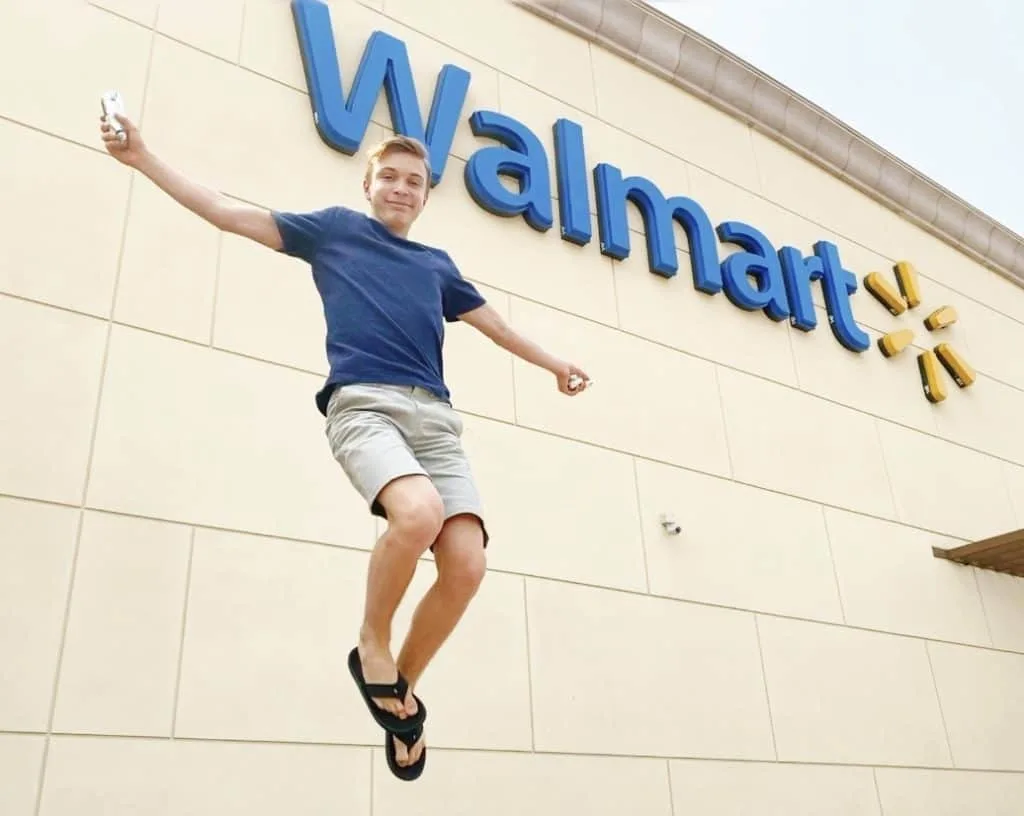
758,277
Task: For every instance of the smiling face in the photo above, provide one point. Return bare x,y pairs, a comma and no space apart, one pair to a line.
397,183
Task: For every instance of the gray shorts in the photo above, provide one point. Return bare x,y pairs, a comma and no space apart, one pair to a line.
381,432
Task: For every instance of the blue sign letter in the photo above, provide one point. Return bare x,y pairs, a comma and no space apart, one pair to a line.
573,196
798,273
524,159
342,124
760,261
838,285
612,193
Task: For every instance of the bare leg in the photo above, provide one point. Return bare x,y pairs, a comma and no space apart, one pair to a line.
415,516
461,563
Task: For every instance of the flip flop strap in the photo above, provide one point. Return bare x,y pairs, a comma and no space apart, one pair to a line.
410,738
398,689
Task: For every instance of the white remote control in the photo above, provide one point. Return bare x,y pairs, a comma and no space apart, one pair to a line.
111,103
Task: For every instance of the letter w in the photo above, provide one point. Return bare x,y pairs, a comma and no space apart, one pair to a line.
342,123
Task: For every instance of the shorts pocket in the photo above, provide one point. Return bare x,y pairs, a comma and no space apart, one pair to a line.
359,397
445,418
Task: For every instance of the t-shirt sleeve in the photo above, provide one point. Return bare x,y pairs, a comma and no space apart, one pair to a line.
458,295
303,232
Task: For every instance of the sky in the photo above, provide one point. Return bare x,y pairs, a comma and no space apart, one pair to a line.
938,84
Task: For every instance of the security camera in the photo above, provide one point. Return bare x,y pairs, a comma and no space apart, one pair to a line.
670,525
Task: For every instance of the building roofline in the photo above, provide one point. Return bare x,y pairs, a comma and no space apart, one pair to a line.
669,49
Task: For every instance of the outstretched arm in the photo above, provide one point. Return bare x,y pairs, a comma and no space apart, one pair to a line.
225,214
486,320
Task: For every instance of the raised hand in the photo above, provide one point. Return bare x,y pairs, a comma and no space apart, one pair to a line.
132,150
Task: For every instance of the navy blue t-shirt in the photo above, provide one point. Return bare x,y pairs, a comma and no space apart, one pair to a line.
384,298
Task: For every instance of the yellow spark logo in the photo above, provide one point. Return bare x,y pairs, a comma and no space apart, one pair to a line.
907,295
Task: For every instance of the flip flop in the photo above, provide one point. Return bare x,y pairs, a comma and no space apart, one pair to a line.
399,689
406,773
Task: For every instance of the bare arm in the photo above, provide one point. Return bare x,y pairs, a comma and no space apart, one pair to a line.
225,214
489,322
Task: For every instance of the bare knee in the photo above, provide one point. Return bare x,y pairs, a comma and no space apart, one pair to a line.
415,512
461,558
464,574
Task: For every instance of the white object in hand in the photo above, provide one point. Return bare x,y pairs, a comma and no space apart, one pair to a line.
112,103
575,381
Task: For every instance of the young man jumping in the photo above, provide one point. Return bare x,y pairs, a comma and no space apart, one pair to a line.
389,419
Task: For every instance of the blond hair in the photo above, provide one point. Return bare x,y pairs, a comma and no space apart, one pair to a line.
401,144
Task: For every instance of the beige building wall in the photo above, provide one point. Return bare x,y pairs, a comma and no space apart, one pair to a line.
182,563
